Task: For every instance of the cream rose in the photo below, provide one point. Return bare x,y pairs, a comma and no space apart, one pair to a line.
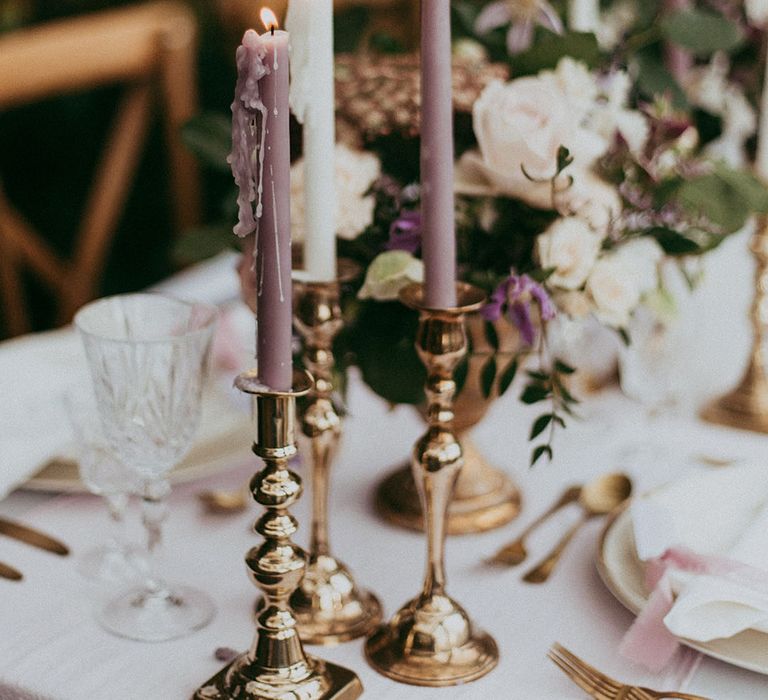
355,172
522,124
620,279
389,273
570,247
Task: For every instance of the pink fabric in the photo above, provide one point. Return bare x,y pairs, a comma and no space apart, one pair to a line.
648,641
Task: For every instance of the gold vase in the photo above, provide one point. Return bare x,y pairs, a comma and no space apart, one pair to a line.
746,407
485,497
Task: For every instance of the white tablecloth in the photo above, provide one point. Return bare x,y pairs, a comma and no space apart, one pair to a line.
50,643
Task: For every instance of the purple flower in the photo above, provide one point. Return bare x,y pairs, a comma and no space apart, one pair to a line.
516,294
522,16
405,232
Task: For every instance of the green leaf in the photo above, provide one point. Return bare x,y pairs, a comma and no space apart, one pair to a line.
539,452
203,243
538,376
724,197
507,376
534,393
653,79
549,48
701,31
540,425
491,335
564,368
564,159
673,242
624,335
209,137
559,420
487,376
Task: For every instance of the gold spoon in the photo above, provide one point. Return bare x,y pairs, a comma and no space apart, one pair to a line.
223,502
598,497
514,553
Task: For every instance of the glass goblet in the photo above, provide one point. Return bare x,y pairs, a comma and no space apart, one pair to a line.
148,357
103,475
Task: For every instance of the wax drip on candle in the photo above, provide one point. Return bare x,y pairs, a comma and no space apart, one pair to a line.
248,136
277,235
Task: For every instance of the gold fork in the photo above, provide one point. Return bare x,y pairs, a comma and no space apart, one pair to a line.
602,687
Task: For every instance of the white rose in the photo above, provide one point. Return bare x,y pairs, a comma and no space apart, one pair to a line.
619,280
389,273
575,81
593,200
571,247
355,172
523,124
757,12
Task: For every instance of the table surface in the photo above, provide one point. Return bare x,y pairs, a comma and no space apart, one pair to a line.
73,658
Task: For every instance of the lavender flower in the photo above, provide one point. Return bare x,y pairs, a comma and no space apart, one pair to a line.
522,15
405,232
515,295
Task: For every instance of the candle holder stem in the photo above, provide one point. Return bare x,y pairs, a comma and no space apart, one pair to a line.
276,667
431,640
746,406
328,605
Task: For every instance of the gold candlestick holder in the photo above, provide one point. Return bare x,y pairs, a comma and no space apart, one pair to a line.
328,605
746,407
276,667
431,640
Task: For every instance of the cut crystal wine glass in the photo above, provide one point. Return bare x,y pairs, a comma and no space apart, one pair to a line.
102,472
148,356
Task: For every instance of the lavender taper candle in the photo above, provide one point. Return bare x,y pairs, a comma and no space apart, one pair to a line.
437,204
261,166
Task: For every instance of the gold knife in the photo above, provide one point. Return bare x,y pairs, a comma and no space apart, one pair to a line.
35,538
9,572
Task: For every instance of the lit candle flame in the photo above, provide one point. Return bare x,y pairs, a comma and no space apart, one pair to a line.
268,19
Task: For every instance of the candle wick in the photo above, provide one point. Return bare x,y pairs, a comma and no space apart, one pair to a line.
272,30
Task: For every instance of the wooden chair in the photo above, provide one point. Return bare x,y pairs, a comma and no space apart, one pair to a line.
151,49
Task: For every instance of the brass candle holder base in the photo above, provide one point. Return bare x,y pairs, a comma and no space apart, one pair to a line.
431,641
328,605
485,497
746,407
276,667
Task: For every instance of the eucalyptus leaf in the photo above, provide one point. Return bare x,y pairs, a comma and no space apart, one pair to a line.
701,31
653,79
540,425
491,335
539,452
534,393
507,376
563,367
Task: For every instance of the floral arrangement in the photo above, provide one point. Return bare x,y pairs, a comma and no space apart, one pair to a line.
581,166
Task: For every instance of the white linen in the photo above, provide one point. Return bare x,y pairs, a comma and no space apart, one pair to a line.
722,513
46,621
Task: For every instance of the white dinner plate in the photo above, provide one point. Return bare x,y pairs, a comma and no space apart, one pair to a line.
622,573
224,438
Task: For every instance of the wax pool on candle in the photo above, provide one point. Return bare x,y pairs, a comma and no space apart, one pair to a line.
437,207
312,100
261,166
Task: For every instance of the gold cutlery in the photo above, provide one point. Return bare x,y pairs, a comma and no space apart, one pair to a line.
25,534
514,553
598,497
7,571
221,501
602,687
